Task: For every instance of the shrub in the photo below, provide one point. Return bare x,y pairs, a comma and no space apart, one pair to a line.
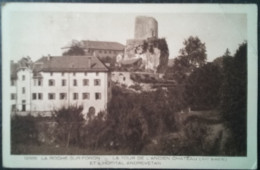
69,120
23,131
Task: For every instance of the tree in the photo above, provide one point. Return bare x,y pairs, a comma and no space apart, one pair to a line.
192,55
75,48
234,99
219,61
69,121
203,86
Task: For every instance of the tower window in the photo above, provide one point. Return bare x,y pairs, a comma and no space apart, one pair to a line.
13,96
39,82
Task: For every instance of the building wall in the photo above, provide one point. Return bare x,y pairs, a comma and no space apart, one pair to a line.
45,104
105,53
23,89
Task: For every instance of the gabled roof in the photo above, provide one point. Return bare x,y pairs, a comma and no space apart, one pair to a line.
104,45
71,63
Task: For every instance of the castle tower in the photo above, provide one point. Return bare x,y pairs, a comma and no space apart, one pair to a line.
145,27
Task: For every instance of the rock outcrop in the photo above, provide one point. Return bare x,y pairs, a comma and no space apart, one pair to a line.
146,52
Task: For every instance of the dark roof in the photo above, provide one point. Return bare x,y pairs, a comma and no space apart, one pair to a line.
103,45
71,63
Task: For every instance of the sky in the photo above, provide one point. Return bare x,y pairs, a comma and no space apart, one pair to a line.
39,33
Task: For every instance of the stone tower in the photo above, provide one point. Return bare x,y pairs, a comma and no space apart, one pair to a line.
146,52
145,27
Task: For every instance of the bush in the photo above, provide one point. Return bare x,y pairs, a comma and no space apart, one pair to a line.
69,120
23,131
192,140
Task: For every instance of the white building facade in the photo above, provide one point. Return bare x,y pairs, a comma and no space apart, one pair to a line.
54,82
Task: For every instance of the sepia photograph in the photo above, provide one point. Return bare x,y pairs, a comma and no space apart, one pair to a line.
155,83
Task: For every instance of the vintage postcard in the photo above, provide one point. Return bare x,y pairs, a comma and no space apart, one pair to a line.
129,85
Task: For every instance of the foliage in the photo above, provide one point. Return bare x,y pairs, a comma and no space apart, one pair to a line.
136,87
219,60
234,98
133,119
202,87
191,141
192,56
23,130
69,121
74,49
162,45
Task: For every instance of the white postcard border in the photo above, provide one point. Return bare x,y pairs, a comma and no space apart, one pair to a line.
82,161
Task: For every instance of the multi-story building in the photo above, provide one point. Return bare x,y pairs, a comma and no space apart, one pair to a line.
53,82
103,49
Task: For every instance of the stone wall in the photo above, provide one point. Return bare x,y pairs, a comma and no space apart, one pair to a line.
145,27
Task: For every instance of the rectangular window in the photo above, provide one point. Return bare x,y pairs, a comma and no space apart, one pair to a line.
23,90
75,96
75,82
63,96
51,96
40,96
85,96
97,82
97,73
13,96
12,82
62,74
51,82
13,107
23,77
85,82
86,73
51,73
63,82
39,82
74,73
34,96
98,96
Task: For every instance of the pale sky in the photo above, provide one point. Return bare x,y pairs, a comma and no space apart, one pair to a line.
37,33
